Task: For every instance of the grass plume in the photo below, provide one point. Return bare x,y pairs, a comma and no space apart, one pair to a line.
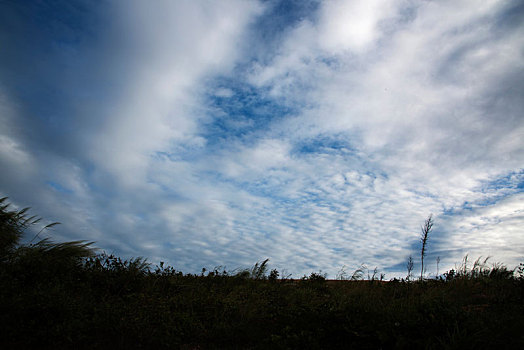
426,229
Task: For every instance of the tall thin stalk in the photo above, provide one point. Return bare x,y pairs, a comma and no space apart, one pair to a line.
426,229
410,268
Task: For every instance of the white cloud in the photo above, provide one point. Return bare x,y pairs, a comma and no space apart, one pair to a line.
414,109
350,25
494,230
14,155
424,99
224,92
174,45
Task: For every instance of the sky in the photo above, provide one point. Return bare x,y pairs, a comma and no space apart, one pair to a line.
317,134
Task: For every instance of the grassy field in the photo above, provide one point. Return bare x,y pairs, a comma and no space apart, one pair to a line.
63,296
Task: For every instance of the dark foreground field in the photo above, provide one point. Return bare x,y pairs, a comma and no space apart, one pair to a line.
54,296
113,305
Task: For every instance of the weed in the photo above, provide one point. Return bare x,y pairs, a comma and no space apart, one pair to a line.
426,229
409,266
257,272
61,295
358,273
342,274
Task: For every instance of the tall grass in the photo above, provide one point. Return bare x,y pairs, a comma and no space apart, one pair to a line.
63,295
15,223
481,270
426,229
409,267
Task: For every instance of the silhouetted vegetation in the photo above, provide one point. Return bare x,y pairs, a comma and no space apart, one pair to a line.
426,229
63,295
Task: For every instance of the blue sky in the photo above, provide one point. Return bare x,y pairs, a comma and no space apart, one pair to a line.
318,134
